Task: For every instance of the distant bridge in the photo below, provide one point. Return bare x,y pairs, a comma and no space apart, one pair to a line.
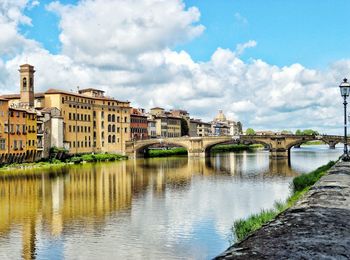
278,145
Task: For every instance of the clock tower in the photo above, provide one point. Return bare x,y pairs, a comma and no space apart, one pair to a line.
27,84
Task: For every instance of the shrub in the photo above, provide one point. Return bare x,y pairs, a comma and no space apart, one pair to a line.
244,227
306,180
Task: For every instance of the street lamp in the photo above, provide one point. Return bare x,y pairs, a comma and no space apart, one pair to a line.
345,91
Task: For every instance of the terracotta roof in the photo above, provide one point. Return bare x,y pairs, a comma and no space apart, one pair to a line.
138,115
23,109
18,96
58,91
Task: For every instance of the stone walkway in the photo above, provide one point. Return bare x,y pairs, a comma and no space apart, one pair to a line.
317,227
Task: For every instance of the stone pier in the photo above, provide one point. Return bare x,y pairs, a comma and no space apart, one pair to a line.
317,227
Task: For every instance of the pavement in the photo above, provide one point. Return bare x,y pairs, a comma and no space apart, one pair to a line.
317,227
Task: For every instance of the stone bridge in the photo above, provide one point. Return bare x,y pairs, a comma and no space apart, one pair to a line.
278,145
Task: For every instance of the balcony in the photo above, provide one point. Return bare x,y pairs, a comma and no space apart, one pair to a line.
40,132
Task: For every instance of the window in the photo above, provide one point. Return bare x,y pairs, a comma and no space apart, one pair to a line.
2,144
25,84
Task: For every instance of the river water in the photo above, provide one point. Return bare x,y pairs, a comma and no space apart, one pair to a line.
166,208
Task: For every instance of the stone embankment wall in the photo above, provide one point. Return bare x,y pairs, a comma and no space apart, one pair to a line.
317,227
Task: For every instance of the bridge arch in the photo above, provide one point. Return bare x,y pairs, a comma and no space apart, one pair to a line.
140,146
331,141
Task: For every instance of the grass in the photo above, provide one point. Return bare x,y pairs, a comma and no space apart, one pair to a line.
235,147
166,153
300,185
58,163
314,143
218,148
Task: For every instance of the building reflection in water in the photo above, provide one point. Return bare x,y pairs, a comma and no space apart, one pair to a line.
55,199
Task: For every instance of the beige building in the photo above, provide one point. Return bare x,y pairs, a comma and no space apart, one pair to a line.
92,121
204,129
166,125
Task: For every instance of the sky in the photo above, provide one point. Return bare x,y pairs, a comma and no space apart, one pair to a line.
269,64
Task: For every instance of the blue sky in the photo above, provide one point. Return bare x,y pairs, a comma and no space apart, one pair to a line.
183,54
314,33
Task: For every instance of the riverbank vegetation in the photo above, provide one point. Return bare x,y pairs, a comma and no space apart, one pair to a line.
317,142
300,185
235,147
216,149
54,162
165,153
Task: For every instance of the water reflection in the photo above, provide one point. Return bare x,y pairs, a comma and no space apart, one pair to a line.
154,208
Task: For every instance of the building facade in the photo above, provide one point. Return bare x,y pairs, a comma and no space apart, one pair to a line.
204,129
138,124
193,129
222,126
4,129
93,123
166,125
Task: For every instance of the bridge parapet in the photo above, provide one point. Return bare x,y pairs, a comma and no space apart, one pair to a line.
279,145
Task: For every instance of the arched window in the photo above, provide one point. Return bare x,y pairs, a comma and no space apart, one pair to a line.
109,139
113,118
24,83
113,128
109,128
113,138
109,118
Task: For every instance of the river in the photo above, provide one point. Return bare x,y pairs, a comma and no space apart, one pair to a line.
164,208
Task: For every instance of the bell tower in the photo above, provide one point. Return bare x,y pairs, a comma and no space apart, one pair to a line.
27,84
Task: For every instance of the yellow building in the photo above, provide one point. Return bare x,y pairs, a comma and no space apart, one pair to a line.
31,134
92,121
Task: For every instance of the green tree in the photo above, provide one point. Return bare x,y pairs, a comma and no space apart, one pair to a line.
184,127
239,125
286,132
250,131
298,132
310,132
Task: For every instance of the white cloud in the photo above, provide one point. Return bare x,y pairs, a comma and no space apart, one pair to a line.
240,19
112,33
242,47
124,47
